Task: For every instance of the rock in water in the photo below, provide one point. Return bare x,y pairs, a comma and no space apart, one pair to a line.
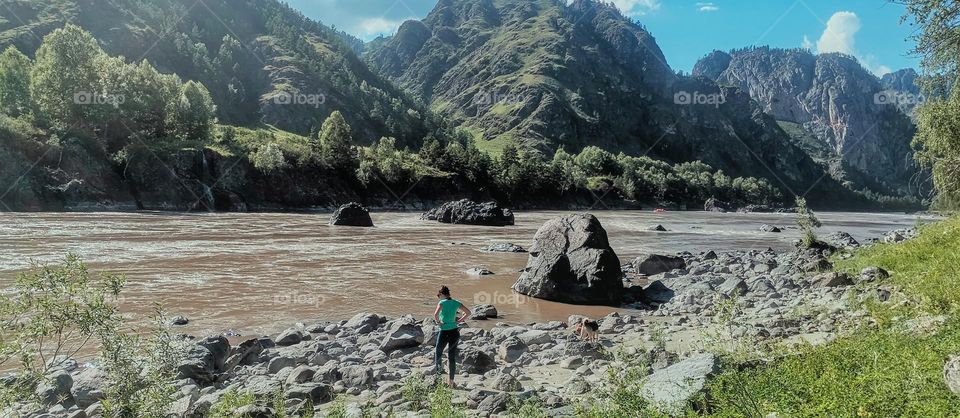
714,205
669,389
770,228
650,264
467,212
479,271
351,214
571,261
503,248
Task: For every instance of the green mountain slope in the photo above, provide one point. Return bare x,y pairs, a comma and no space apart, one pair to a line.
261,60
543,74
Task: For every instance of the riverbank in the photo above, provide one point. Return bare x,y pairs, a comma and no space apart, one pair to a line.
727,308
214,269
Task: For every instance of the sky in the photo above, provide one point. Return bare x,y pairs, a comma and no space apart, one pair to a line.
687,30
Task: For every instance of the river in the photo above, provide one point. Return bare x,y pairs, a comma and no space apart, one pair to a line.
259,273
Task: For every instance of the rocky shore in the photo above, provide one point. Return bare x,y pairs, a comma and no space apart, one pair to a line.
686,311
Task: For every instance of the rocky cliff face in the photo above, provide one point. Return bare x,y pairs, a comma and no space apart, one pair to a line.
836,102
546,74
903,87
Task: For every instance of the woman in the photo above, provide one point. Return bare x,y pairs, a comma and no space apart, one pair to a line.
446,316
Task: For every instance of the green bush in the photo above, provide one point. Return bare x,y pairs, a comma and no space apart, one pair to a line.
65,309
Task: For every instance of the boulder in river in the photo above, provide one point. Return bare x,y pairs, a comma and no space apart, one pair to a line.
571,261
770,228
351,214
468,212
714,205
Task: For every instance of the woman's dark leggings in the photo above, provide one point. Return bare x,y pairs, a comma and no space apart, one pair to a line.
451,338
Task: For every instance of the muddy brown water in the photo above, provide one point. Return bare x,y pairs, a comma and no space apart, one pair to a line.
259,273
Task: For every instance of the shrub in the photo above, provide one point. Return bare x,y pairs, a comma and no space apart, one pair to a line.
808,223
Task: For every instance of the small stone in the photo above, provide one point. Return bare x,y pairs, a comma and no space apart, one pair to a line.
833,279
873,274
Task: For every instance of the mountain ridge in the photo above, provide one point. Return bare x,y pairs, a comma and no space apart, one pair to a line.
836,100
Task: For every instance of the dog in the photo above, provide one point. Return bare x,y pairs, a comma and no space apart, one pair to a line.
586,329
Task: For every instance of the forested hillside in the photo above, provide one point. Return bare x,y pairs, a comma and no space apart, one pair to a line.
248,105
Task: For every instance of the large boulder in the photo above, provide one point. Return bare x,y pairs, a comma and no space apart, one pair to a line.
669,389
571,261
468,212
402,334
650,264
205,360
88,386
55,387
475,361
351,214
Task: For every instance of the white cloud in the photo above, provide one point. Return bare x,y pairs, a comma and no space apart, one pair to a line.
806,44
707,7
637,7
841,36
379,25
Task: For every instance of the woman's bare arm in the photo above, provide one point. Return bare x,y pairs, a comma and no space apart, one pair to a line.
466,313
436,315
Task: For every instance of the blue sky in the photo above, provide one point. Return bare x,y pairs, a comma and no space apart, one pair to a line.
687,30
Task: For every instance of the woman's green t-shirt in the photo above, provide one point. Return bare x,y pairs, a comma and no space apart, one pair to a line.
448,314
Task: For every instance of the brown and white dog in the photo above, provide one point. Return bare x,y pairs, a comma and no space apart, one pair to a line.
586,329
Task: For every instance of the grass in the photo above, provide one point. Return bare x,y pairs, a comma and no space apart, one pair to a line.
870,374
873,372
926,268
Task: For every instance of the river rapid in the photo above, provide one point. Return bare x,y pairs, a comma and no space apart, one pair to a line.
258,273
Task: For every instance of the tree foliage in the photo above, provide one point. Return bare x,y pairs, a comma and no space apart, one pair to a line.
15,82
56,311
938,118
335,143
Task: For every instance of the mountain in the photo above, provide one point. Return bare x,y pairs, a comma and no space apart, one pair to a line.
261,60
903,87
836,109
544,74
